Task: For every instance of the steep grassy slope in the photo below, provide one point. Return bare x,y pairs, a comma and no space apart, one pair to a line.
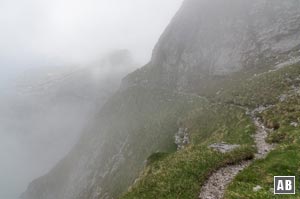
181,174
284,118
133,124
148,119
262,89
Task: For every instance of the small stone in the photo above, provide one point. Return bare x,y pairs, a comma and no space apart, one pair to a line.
283,97
257,188
294,124
223,147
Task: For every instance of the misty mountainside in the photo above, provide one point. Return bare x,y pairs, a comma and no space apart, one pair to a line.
208,40
43,115
150,140
57,102
71,89
102,77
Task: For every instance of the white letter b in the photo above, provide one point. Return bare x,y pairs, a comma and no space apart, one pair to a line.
288,185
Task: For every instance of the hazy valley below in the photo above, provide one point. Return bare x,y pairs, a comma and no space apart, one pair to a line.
45,109
59,63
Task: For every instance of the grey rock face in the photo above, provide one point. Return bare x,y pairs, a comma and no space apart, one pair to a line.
218,37
182,138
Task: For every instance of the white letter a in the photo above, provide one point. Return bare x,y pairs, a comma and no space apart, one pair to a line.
280,186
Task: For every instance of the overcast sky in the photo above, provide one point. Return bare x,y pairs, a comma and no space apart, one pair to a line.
37,31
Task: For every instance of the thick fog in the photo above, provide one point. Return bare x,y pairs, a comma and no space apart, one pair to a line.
59,62
72,30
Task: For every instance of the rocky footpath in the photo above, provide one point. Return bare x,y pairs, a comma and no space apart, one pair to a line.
217,183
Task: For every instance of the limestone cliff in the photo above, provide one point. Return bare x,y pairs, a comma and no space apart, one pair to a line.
210,38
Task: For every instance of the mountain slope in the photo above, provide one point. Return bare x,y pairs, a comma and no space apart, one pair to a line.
52,105
210,39
282,120
183,173
120,137
209,49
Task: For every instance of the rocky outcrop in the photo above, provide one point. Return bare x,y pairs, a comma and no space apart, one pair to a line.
182,138
213,38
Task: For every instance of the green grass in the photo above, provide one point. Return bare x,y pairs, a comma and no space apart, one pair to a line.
284,160
146,120
134,123
261,89
180,174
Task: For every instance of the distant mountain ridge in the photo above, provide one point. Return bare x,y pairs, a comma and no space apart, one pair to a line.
105,73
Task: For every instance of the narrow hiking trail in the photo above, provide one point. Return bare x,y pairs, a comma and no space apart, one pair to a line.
215,186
